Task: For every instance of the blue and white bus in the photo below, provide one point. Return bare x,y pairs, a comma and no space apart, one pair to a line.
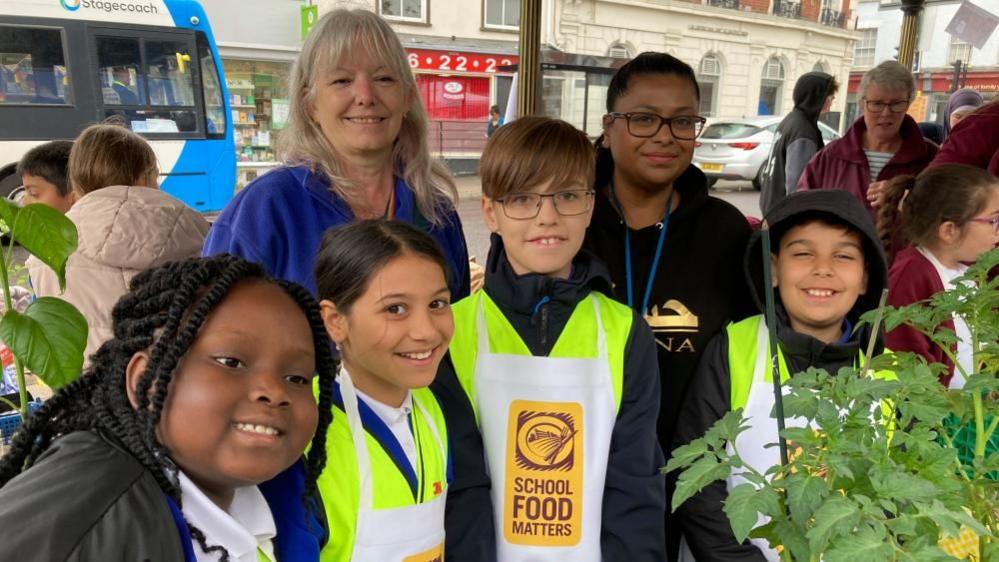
65,64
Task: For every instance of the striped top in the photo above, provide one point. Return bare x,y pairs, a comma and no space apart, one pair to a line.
876,162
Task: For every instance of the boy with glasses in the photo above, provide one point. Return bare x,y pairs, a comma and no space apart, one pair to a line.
560,379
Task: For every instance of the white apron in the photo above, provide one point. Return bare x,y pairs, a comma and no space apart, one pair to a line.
413,533
546,425
762,431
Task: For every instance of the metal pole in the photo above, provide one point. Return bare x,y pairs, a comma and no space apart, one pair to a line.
530,58
910,31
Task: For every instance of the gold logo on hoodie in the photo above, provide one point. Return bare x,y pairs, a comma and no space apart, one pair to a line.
673,317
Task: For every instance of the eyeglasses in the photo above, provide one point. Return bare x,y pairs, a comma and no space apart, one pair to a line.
524,206
993,220
644,125
897,106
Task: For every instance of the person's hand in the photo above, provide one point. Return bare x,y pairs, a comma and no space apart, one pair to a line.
876,193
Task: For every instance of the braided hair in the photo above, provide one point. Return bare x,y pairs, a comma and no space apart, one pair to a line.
162,314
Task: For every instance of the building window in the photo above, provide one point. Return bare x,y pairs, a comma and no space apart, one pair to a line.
708,78
409,10
959,50
864,53
819,67
771,87
504,14
619,51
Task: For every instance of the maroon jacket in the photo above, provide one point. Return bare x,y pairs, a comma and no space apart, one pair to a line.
974,141
842,164
913,278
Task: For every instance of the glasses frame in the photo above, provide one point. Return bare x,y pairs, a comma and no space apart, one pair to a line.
668,121
588,193
993,220
887,105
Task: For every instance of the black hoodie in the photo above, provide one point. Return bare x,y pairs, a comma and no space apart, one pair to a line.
701,519
796,140
538,307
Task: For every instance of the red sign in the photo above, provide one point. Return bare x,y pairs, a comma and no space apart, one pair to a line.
454,61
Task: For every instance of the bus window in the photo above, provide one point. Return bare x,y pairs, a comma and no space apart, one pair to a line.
33,67
169,74
119,71
214,106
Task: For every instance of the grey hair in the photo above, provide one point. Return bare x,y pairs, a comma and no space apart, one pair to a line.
302,142
890,75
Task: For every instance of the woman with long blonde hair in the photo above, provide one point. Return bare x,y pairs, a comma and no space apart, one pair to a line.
355,147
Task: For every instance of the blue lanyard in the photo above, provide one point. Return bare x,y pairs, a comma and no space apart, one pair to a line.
663,226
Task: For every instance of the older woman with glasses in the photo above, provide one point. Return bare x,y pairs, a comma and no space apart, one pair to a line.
674,253
885,142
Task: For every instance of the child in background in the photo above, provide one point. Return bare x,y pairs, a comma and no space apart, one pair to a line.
155,453
828,270
562,379
44,174
950,214
386,304
125,225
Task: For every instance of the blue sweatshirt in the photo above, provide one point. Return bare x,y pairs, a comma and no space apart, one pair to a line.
279,219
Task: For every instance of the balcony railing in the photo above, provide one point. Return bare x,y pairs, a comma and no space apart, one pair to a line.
786,9
730,4
831,17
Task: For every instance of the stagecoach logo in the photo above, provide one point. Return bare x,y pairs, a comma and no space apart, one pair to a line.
71,5
544,440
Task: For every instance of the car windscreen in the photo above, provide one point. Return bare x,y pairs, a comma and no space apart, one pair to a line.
729,131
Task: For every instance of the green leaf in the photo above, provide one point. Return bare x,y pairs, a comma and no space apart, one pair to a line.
804,495
929,553
685,456
892,483
838,516
8,211
49,337
703,472
47,234
744,506
866,544
793,538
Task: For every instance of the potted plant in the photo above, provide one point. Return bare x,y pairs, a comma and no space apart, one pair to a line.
858,490
49,336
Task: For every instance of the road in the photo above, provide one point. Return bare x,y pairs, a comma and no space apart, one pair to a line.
740,194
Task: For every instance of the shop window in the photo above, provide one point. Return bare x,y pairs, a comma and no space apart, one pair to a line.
454,98
708,78
863,55
619,51
258,98
33,67
502,13
408,10
771,87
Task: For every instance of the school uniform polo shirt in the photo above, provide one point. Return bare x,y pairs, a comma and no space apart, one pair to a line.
397,420
246,531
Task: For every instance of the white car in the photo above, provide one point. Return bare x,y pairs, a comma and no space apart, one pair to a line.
735,149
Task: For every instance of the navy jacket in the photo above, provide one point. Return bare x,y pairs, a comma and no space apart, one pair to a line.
279,219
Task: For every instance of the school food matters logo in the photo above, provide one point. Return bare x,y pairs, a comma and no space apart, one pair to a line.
545,441
71,5
543,484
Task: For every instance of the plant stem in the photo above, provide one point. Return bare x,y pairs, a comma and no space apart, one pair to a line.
9,404
874,333
22,390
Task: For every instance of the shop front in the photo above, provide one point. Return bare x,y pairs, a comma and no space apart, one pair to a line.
457,88
933,90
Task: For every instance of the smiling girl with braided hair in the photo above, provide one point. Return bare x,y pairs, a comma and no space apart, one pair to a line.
155,453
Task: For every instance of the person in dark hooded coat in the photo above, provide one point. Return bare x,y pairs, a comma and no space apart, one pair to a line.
797,138
829,269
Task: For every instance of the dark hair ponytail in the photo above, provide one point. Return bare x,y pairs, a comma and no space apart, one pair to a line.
890,228
649,62
350,255
945,193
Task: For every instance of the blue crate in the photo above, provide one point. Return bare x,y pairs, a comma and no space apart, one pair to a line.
11,421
